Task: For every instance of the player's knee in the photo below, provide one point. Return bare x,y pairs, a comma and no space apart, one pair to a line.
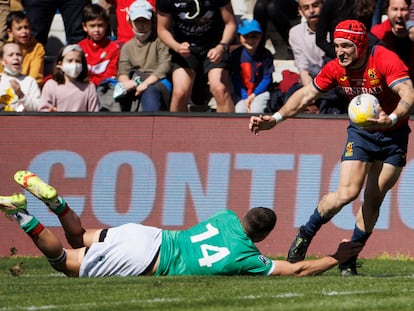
75,240
59,263
346,195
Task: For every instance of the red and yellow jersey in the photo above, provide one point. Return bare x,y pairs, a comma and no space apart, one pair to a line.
382,70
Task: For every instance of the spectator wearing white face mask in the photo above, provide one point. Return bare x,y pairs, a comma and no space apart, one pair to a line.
69,90
144,64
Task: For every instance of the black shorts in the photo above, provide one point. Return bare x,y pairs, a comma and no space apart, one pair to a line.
198,61
388,147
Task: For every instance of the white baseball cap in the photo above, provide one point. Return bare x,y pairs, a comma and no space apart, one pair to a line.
140,8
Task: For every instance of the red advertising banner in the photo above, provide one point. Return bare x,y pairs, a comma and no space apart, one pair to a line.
174,171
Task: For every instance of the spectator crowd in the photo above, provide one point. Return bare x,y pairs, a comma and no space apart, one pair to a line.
178,56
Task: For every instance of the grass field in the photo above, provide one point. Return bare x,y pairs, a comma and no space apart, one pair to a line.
383,284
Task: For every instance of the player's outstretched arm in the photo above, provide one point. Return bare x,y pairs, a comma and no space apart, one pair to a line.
345,251
303,97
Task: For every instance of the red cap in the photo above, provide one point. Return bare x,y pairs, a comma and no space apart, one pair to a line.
353,31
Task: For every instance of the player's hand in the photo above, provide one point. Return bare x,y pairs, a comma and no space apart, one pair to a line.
346,250
261,123
381,122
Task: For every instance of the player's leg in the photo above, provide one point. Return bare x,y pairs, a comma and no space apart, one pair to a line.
182,81
218,79
381,178
351,179
51,247
76,235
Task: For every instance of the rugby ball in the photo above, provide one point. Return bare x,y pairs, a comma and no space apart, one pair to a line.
361,108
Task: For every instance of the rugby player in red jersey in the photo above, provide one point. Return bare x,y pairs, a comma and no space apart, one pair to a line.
376,153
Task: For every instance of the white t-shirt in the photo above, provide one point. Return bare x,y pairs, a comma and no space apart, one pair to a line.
29,87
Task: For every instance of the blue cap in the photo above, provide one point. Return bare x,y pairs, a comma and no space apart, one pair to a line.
247,26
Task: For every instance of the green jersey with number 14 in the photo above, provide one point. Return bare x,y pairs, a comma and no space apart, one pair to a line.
215,246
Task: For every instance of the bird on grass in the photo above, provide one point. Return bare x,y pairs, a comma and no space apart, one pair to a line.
17,269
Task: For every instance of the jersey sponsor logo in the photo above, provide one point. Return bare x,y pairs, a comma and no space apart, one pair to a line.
264,259
353,91
349,149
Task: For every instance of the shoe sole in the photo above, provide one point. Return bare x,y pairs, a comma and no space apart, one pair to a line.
32,183
13,204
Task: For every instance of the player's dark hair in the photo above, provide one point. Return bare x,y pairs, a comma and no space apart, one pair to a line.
258,223
94,11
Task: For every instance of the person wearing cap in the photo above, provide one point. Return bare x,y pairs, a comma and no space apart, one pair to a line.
251,69
376,153
198,35
144,64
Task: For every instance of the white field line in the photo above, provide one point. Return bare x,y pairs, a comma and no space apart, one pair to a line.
164,300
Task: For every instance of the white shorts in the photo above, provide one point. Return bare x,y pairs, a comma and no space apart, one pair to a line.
126,251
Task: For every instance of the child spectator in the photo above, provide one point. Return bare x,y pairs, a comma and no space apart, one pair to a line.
124,31
6,6
251,69
102,54
19,31
18,92
146,58
69,89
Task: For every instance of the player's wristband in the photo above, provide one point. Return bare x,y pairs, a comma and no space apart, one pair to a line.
394,118
278,117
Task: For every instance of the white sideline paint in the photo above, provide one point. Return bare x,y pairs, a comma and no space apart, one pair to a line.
163,300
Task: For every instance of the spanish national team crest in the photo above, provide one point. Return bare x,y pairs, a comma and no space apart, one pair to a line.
349,149
373,79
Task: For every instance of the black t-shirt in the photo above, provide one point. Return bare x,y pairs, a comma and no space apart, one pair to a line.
198,22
